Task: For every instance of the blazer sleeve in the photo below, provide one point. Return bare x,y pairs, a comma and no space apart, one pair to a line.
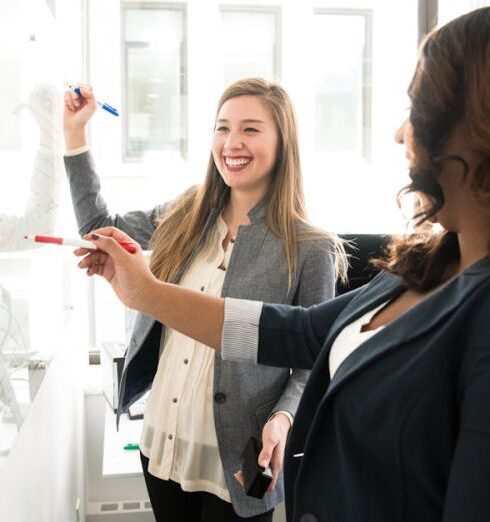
293,336
91,210
285,336
316,284
467,496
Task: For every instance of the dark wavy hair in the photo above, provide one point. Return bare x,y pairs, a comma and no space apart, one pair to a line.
451,85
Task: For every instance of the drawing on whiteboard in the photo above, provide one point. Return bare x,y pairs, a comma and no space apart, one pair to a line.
43,106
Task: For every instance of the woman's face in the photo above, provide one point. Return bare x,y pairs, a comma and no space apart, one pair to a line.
245,144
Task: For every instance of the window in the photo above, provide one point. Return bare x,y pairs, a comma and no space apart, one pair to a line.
336,64
355,85
154,79
251,36
343,81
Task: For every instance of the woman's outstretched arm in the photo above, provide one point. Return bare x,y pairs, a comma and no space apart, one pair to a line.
287,336
138,288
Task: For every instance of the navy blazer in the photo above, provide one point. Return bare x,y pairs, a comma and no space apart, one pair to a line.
402,431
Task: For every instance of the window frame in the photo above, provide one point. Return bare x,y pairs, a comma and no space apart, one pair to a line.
428,13
182,7
367,70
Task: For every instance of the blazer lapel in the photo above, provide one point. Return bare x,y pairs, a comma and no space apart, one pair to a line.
383,288
411,324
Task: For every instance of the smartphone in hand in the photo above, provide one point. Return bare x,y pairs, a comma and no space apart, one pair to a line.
256,479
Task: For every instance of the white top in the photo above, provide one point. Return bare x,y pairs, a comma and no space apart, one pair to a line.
179,436
350,338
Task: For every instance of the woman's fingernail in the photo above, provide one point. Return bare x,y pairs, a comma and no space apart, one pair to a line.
94,236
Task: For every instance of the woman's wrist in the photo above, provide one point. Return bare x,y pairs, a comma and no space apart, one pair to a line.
283,418
152,298
75,138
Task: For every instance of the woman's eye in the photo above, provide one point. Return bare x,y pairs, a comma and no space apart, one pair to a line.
251,129
221,129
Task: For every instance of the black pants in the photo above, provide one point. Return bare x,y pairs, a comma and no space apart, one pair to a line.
171,504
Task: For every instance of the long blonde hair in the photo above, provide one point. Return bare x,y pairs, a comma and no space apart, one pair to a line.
178,232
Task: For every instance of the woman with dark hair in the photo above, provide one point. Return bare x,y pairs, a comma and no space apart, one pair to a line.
394,423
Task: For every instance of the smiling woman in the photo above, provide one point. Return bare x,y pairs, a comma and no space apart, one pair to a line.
245,144
243,233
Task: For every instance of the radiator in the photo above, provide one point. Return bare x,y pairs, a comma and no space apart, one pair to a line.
120,511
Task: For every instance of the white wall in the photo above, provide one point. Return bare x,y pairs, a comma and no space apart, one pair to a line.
41,481
449,9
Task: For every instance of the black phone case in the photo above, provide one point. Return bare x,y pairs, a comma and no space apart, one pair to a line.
256,479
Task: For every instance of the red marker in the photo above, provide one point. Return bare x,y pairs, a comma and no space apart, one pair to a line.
81,243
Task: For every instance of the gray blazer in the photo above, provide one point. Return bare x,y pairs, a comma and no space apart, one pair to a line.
245,395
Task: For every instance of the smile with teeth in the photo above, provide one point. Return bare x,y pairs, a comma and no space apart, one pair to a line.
237,162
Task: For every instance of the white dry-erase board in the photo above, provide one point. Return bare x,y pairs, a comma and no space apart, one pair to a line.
30,119
30,174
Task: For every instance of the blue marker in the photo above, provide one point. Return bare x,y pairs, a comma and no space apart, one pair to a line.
104,106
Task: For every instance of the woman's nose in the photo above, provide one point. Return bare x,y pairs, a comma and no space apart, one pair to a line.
233,141
400,133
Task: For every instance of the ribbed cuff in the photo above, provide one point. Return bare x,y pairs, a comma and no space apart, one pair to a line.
240,336
284,412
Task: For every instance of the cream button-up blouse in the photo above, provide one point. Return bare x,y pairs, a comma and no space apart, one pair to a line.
179,436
